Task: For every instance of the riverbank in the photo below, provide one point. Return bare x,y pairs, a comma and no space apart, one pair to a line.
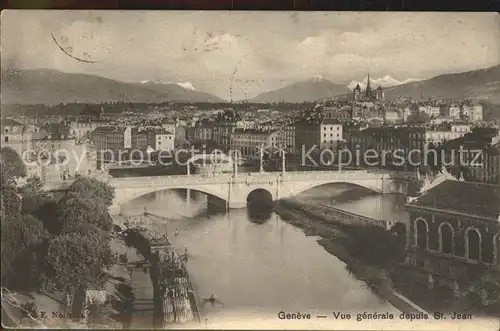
170,291
333,240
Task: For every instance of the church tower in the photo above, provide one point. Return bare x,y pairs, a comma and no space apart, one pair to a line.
368,92
357,92
379,93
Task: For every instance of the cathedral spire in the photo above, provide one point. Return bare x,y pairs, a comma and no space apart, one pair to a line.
368,87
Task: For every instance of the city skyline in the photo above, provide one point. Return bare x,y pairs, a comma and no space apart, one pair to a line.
213,51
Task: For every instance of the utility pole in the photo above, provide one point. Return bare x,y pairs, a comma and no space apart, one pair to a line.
283,163
235,165
188,191
261,159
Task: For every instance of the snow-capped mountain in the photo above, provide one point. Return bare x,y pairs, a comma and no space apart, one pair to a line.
384,82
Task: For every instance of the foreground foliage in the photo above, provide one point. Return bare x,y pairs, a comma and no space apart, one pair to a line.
50,245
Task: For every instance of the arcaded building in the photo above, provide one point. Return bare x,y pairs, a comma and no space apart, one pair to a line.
453,234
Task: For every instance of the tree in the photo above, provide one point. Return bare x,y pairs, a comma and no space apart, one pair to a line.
74,211
20,239
93,188
33,196
75,261
14,166
47,214
10,205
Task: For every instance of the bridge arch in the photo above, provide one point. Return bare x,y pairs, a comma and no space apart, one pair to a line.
260,195
124,196
298,188
259,205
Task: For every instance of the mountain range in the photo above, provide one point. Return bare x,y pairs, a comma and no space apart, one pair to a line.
482,84
313,89
47,86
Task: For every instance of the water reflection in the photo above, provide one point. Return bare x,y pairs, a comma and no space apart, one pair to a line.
259,214
255,262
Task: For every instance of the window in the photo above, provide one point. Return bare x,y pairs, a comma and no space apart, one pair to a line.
446,238
6,139
473,242
6,129
421,234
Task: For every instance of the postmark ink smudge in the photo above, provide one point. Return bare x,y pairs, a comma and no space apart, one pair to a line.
69,50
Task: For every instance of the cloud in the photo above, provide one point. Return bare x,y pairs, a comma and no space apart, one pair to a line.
227,54
187,86
385,81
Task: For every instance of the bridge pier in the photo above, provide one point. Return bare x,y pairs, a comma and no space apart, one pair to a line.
188,196
234,189
216,205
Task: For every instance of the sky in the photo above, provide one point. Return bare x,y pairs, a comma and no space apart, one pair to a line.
241,54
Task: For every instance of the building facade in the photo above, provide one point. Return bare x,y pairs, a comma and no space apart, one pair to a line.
203,131
16,136
476,154
331,133
289,130
79,129
474,112
249,142
453,234
111,144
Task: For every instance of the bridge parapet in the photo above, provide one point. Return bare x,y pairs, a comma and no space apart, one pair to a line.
189,180
334,175
168,181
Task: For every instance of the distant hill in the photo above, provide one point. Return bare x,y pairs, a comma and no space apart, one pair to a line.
46,86
310,90
482,84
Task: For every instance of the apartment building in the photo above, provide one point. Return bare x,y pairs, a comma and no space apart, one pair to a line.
249,142
16,135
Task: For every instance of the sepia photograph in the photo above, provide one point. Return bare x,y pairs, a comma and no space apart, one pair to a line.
250,170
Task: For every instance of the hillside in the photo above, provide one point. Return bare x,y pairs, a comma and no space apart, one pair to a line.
482,84
310,90
44,86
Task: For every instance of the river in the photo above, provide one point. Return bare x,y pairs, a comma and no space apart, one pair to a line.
260,269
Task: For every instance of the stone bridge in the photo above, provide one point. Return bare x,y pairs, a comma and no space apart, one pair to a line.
235,189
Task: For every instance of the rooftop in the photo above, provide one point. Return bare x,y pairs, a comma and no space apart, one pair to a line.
330,121
9,122
110,129
253,131
463,197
